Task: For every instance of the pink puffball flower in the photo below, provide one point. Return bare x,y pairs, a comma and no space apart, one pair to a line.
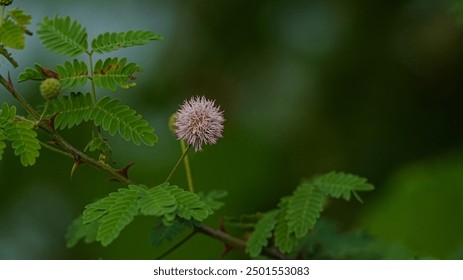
199,122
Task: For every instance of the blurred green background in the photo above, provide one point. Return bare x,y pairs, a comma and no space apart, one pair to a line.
367,87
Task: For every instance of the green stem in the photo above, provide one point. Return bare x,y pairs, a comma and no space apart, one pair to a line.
186,161
19,98
92,82
177,164
176,246
3,15
47,105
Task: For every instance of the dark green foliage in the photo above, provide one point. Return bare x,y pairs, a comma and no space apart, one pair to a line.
78,230
32,74
108,113
63,36
304,208
170,204
338,184
21,135
108,42
73,74
298,213
262,231
112,73
162,232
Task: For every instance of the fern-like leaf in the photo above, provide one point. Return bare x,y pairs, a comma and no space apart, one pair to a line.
262,232
12,35
78,230
119,215
113,73
35,74
63,36
115,117
108,42
189,205
23,140
73,74
285,240
19,17
72,110
304,208
338,184
158,202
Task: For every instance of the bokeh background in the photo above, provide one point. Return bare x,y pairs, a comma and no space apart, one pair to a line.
368,87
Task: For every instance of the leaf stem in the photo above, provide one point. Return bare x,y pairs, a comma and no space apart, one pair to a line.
186,161
92,82
176,246
178,163
2,15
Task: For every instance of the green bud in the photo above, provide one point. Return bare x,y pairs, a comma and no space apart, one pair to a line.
172,120
49,88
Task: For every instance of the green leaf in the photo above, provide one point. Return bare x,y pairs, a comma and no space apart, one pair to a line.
304,208
63,36
162,232
211,198
78,230
19,17
98,144
115,117
73,74
158,202
284,239
12,35
113,73
262,232
71,110
119,215
35,74
108,42
338,184
108,113
24,141
189,205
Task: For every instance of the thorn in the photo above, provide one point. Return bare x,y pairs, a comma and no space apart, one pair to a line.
76,164
49,73
125,171
227,248
51,121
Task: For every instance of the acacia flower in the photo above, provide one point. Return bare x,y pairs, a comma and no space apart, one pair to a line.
199,122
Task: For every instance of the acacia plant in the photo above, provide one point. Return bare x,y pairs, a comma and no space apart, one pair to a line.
284,232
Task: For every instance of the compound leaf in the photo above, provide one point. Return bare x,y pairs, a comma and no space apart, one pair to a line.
78,230
189,205
338,184
113,73
71,110
115,117
73,74
108,42
29,73
119,215
158,202
162,232
23,140
12,35
304,208
63,36
284,239
262,232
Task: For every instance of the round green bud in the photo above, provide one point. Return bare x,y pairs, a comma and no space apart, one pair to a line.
6,2
49,88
